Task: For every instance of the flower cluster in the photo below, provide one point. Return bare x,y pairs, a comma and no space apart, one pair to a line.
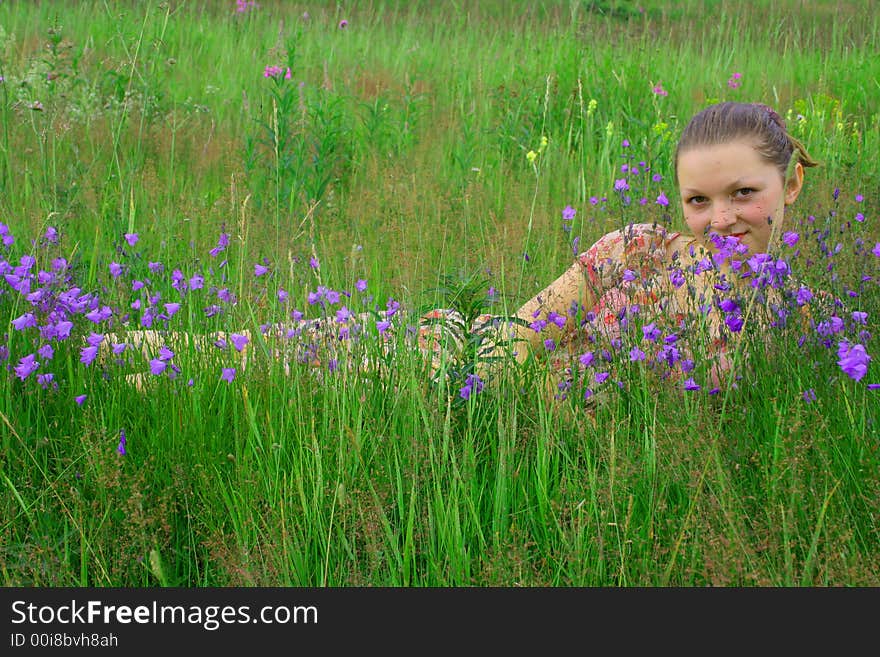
276,72
243,6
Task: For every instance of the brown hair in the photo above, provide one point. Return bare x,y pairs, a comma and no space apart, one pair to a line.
729,121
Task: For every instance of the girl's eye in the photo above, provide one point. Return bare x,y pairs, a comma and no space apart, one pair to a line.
745,191
696,200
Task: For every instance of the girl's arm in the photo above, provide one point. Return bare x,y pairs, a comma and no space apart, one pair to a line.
554,310
557,309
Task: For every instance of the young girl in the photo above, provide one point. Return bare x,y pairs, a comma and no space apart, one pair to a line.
737,169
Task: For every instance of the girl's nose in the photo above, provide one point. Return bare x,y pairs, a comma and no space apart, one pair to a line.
722,215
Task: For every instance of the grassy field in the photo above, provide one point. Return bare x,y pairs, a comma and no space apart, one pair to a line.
156,172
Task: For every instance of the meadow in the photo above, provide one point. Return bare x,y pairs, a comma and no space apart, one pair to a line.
202,167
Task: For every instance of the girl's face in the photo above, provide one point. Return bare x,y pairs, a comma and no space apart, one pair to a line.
729,189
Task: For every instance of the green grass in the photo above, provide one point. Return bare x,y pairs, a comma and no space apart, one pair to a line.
401,160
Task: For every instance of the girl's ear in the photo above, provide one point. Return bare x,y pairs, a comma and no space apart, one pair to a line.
794,184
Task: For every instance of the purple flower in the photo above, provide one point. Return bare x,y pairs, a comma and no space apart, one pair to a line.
734,80
88,355
177,280
260,270
26,366
690,384
382,325
859,198
361,285
115,269
131,238
197,282
676,277
62,329
876,250
25,321
804,295
586,359
222,243
734,323
791,238
538,325
100,314
669,354
46,352
557,319
568,213
859,217
860,317
80,399
659,90
650,332
662,200
343,24
157,366
809,395
238,341
728,305
853,360
165,354
228,374
636,354
121,447
620,185
473,385
601,377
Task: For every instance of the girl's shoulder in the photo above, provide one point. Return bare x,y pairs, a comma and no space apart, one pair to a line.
633,239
